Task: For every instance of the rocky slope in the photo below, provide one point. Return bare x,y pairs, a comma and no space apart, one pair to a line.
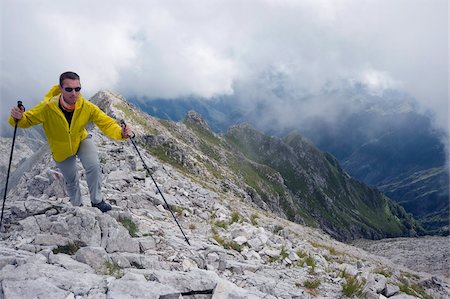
428,254
343,207
24,148
50,249
425,194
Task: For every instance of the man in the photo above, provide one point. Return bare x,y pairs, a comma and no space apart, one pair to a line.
64,113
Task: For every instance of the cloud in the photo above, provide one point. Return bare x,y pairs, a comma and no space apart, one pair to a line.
377,82
270,53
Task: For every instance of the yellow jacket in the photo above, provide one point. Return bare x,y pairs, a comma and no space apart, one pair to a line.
62,139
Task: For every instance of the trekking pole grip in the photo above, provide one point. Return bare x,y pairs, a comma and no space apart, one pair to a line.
21,107
123,124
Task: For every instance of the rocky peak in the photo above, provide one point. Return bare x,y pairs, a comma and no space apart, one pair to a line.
195,118
245,133
241,127
104,99
108,102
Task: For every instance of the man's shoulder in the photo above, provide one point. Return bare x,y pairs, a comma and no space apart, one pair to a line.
88,104
53,101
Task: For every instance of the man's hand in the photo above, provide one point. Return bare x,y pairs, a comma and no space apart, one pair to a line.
16,112
127,131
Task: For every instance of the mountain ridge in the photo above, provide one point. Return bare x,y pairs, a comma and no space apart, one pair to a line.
198,151
378,139
318,179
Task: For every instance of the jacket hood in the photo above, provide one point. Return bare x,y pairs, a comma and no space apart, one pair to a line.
54,91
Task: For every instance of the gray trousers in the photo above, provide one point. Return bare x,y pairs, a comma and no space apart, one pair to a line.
87,153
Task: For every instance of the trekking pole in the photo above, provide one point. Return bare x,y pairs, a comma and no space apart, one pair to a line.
122,123
19,104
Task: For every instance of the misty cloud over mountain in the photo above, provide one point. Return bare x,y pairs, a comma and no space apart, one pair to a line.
270,54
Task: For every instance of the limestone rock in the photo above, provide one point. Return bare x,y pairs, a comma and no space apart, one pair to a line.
95,257
39,288
137,289
390,290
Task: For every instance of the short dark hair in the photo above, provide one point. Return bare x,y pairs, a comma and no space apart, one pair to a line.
68,75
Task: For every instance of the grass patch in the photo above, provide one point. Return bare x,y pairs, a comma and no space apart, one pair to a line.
227,244
177,210
330,249
311,284
215,171
214,230
254,219
280,257
301,254
232,245
71,248
410,275
352,286
311,262
277,229
333,251
283,253
307,259
130,114
218,239
383,271
236,217
192,226
163,153
221,223
413,289
113,269
129,225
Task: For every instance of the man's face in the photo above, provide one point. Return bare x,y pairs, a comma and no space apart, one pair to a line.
70,96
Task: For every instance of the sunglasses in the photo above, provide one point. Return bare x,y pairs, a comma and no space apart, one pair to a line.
69,89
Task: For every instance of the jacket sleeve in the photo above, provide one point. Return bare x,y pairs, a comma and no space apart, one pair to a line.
106,124
32,117
35,115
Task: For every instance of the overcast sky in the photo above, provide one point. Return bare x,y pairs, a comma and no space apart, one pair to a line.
208,48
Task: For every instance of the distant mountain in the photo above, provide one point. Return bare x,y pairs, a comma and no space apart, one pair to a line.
220,113
387,143
380,139
318,186
288,176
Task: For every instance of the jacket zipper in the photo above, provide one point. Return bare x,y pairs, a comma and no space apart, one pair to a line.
68,130
74,117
